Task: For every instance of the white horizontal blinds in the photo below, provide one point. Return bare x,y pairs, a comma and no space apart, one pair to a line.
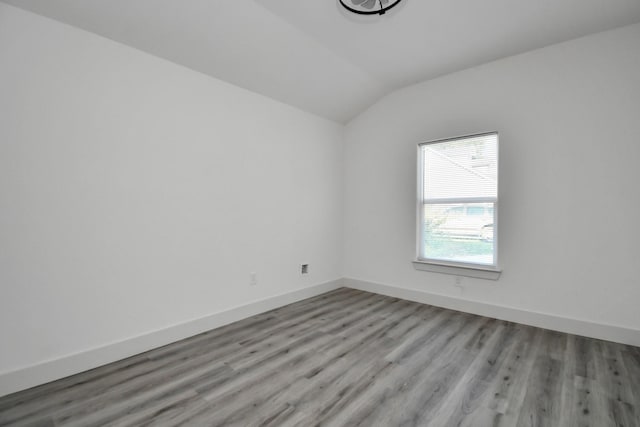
464,168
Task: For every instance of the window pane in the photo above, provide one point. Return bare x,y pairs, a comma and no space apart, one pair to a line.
460,232
475,210
466,167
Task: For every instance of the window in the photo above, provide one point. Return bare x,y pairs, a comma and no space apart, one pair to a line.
457,202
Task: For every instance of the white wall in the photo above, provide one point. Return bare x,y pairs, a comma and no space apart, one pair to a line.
136,194
569,123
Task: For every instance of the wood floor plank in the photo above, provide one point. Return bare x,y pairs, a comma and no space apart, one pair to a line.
632,364
136,396
160,411
254,388
465,397
504,406
542,403
352,358
446,358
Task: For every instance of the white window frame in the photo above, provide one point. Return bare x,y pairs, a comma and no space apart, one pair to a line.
482,271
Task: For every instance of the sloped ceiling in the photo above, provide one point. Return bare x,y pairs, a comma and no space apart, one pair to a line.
314,55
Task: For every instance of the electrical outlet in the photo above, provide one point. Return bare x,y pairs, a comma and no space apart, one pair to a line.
253,279
458,280
304,268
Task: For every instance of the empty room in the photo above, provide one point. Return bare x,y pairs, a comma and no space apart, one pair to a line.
319,213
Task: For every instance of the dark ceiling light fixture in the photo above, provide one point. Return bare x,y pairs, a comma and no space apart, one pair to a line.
369,7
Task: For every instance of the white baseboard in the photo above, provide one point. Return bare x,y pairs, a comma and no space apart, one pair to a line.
585,328
22,379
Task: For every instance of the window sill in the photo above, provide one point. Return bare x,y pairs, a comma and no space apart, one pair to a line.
487,273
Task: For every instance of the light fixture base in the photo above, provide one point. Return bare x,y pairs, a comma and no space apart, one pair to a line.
369,7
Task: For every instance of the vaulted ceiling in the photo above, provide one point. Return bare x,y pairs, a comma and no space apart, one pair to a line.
316,56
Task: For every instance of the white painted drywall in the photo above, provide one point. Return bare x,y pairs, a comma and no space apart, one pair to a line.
569,123
136,194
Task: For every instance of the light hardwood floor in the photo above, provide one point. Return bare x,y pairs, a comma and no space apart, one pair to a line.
350,358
